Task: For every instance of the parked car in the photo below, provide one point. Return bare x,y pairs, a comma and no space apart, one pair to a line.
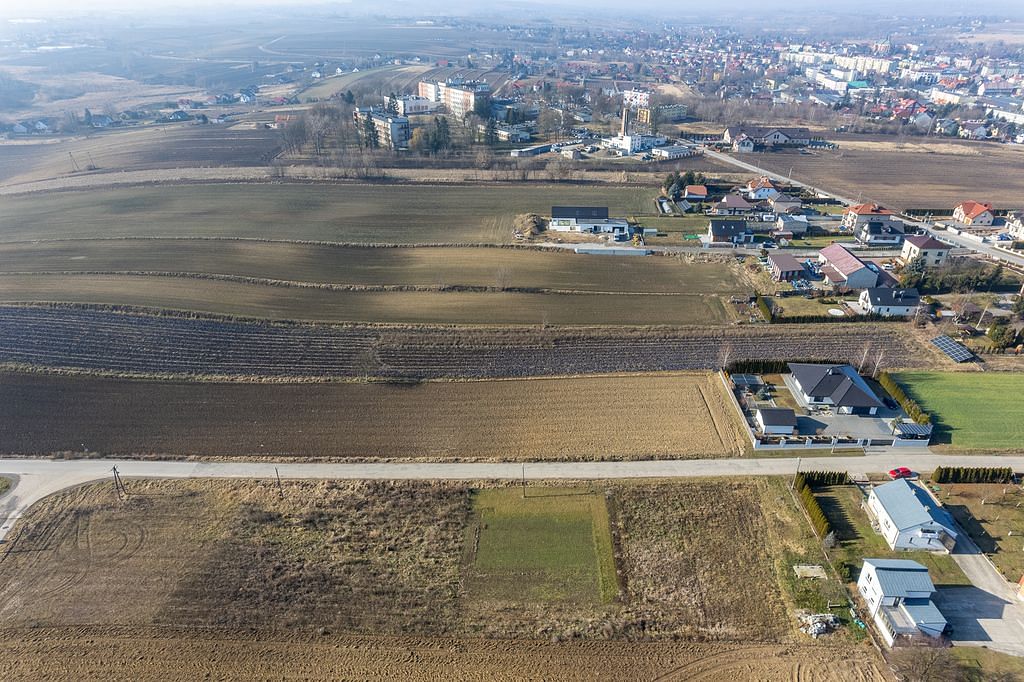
900,472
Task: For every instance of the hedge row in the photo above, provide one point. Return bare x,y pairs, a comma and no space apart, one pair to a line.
766,310
818,519
819,478
768,366
906,402
973,475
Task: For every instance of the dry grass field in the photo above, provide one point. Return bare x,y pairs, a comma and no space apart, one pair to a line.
604,417
364,578
352,213
554,269
877,170
155,147
315,304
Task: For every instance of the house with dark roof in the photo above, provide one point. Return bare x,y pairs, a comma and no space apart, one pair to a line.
729,232
898,593
837,386
592,219
909,519
732,204
890,302
879,233
784,267
923,246
843,270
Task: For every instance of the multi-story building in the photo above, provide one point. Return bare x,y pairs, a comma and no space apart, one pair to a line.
393,132
410,105
459,97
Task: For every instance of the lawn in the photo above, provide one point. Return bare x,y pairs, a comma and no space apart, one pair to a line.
971,411
352,213
984,664
5,483
549,545
798,305
858,540
818,242
990,515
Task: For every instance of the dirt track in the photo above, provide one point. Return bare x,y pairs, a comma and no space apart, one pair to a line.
113,653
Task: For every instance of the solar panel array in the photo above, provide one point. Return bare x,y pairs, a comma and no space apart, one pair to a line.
956,351
746,380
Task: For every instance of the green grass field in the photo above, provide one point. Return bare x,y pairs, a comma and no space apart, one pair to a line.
351,213
971,411
552,545
858,541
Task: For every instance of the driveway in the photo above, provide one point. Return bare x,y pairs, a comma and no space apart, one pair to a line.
988,614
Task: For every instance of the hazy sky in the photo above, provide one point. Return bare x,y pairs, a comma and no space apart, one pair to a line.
10,8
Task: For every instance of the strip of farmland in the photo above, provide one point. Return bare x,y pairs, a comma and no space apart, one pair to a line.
136,344
542,418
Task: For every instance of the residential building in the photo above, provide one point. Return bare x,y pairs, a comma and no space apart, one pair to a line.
909,519
457,96
732,204
974,213
760,189
784,267
929,248
838,386
695,193
898,593
795,225
844,270
592,219
1015,225
889,302
768,137
393,132
879,233
776,421
862,213
729,232
410,105
783,203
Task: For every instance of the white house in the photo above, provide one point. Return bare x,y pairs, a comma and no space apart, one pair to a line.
837,386
898,593
776,421
862,213
1015,225
677,151
974,213
930,249
593,219
909,519
890,302
761,189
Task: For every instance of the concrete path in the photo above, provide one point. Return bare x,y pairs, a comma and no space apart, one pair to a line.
37,478
988,614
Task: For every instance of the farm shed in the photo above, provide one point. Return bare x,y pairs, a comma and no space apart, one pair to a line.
784,267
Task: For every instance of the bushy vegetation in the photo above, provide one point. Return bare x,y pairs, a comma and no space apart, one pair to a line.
814,511
821,478
973,475
908,404
15,93
956,278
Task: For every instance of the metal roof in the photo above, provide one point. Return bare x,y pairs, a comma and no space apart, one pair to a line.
580,212
908,506
893,297
901,577
912,429
785,262
777,416
841,259
926,613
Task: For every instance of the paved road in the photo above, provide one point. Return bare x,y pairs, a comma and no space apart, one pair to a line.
37,478
988,614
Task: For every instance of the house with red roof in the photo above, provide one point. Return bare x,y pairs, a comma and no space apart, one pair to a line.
974,213
843,270
760,189
862,213
695,193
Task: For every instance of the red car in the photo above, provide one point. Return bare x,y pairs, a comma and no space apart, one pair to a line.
900,472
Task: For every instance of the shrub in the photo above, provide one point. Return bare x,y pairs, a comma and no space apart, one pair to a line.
766,310
814,511
909,405
973,475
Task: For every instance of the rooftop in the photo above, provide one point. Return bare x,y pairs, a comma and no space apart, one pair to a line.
901,577
909,506
868,209
840,383
777,416
842,260
926,242
886,296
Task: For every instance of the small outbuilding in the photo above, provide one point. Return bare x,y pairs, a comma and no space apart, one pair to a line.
777,421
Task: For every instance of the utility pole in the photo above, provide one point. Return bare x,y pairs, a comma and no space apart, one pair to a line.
119,488
793,484
280,490
524,481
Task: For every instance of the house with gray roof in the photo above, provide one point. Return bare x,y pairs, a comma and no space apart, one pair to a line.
898,593
890,302
837,386
908,518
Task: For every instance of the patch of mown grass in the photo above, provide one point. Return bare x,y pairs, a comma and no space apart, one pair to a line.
551,545
970,410
5,483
